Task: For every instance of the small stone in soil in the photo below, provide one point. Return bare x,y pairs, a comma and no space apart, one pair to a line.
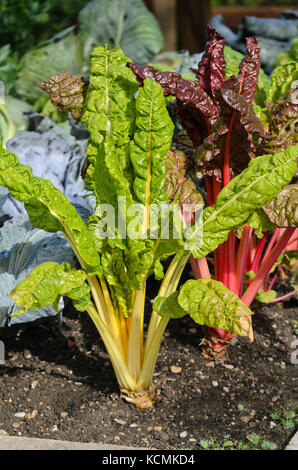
175,369
210,364
33,414
183,434
228,366
120,421
33,384
245,419
21,414
193,331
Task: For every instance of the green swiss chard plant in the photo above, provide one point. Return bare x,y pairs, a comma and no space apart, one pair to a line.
138,228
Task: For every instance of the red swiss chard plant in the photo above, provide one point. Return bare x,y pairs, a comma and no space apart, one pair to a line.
218,115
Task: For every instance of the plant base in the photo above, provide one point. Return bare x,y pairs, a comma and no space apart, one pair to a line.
141,399
215,348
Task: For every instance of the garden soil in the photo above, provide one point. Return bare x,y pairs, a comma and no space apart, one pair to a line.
57,382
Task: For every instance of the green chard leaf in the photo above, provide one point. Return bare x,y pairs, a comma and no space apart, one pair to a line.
48,208
256,186
282,78
47,283
150,145
208,302
260,222
283,122
118,278
265,297
109,113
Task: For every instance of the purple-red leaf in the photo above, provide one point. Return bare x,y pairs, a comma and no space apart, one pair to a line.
67,92
283,210
249,70
211,69
178,187
239,124
186,91
216,113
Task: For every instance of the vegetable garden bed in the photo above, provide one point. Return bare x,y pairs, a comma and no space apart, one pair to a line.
191,182
59,384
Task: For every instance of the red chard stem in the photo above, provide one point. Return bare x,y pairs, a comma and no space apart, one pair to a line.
265,267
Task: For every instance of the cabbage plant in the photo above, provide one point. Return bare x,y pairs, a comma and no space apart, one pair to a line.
148,221
22,248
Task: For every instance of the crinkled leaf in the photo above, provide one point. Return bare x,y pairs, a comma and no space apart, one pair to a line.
265,297
260,222
169,306
283,210
283,122
253,188
239,124
48,208
282,79
210,303
233,59
116,275
188,92
67,92
150,145
211,69
139,260
178,187
249,70
109,113
47,283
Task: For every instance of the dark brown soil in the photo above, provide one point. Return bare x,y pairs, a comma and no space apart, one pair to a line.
62,383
